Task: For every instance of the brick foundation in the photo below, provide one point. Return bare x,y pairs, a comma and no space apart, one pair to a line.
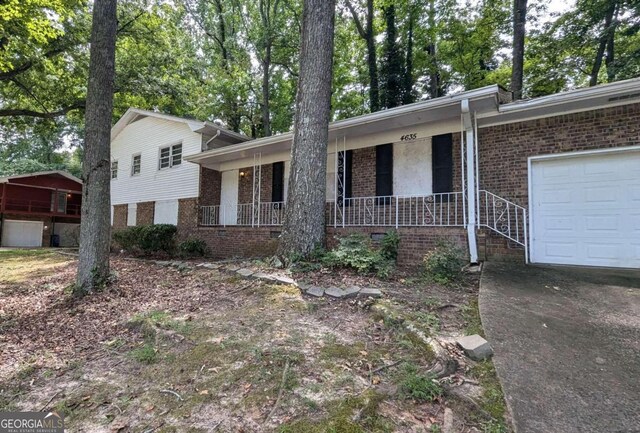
145,212
120,217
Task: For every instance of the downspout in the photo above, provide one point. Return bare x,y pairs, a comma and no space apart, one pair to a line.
212,138
467,124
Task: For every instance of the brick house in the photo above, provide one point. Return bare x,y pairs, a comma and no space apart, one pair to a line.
549,180
35,206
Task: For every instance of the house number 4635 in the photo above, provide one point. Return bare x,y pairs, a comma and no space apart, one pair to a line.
408,137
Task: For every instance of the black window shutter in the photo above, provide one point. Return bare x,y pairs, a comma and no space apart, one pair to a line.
277,182
442,154
384,169
345,162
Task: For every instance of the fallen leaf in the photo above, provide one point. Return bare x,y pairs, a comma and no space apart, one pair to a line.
204,392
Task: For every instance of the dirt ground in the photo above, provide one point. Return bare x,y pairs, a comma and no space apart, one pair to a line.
187,349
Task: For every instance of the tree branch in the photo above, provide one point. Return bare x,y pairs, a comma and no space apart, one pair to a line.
356,19
8,112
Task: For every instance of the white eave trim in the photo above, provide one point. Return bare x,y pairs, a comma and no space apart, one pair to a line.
41,173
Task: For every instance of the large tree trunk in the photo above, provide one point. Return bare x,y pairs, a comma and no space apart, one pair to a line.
519,21
304,227
408,94
95,230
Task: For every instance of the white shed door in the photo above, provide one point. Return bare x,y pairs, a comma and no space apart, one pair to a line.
586,210
22,233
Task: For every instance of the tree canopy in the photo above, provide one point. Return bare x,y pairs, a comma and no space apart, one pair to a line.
236,61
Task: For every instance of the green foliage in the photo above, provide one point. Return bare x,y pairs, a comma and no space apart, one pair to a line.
355,251
193,247
444,263
148,239
145,354
417,386
389,245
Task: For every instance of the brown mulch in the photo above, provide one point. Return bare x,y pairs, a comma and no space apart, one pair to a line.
42,324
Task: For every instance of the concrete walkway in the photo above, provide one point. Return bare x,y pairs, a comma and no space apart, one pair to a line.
567,346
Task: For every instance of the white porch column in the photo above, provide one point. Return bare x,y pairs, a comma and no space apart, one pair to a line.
470,161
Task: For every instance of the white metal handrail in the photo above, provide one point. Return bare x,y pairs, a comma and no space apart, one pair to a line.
503,217
245,214
442,209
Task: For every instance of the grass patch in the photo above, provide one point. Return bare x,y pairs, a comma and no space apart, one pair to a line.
334,350
146,354
414,385
492,400
352,415
22,265
472,322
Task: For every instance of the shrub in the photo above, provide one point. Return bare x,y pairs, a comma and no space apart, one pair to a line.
389,245
152,238
356,252
444,263
193,247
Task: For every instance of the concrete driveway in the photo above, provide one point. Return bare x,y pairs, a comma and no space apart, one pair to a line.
567,346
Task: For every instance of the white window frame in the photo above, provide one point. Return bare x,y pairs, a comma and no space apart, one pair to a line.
170,157
114,172
133,164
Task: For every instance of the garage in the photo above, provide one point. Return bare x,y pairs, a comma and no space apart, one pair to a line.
22,233
585,208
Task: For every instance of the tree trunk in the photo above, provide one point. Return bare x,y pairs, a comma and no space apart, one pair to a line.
597,63
368,35
519,21
95,226
266,92
372,62
304,224
610,59
408,94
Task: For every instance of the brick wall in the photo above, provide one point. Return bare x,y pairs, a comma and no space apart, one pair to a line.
363,179
187,218
504,151
245,185
144,213
210,186
120,216
230,241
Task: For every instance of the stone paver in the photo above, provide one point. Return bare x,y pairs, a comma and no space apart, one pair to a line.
475,347
244,272
335,292
351,292
373,293
314,291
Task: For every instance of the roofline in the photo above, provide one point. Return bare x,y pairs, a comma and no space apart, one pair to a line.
41,173
573,95
364,119
195,125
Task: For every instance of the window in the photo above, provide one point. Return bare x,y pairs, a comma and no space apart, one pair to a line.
59,202
114,169
135,165
384,170
442,163
277,182
170,156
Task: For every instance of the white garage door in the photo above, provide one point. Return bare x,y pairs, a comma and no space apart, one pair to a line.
22,233
586,210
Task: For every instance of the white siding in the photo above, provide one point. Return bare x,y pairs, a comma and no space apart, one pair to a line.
165,212
132,214
146,137
412,168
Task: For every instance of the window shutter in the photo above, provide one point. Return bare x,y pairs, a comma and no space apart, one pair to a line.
384,170
277,182
442,146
